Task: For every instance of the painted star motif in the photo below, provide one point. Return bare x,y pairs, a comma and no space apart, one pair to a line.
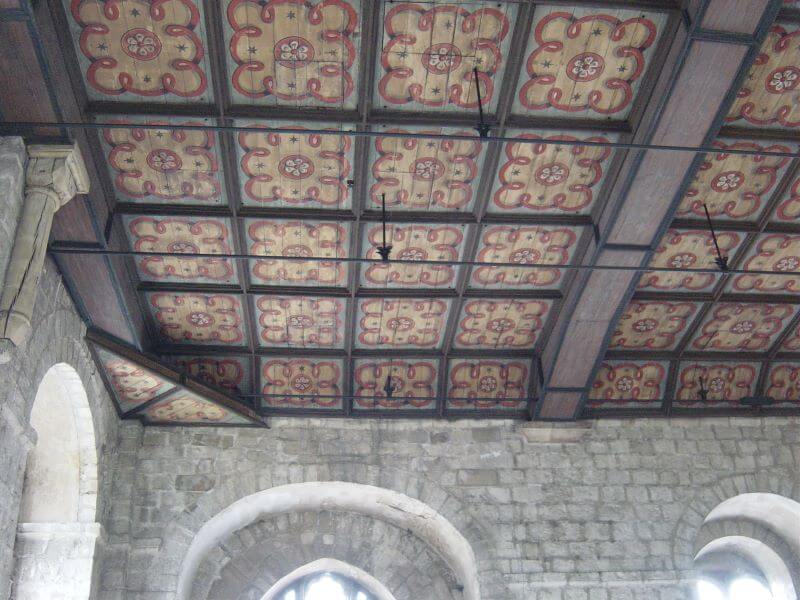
181,47
135,12
436,90
102,46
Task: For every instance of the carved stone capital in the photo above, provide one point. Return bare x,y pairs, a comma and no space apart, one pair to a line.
54,175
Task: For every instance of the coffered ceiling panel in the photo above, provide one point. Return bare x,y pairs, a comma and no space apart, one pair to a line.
734,186
302,383
232,374
626,384
164,166
142,51
198,319
736,326
430,50
401,322
523,245
298,239
768,97
185,407
501,324
413,242
550,179
417,173
183,235
289,53
300,321
653,325
412,383
720,382
776,252
783,383
792,342
480,384
586,61
132,384
688,249
300,170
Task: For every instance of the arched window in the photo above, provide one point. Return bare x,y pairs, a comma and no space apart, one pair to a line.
324,586
749,549
56,532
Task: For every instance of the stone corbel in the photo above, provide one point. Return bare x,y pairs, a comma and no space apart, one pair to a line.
55,174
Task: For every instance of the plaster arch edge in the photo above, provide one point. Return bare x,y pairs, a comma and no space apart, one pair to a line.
387,505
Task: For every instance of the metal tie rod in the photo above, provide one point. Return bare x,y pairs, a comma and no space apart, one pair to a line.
28,126
55,249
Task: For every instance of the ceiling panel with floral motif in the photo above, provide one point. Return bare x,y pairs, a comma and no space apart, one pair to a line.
198,318
418,173
302,383
587,62
523,244
298,239
430,50
185,407
401,322
485,384
411,384
783,383
768,97
501,324
184,235
653,325
300,321
775,252
232,374
627,384
142,51
732,326
412,242
548,179
297,170
132,384
163,166
721,383
734,187
688,249
299,54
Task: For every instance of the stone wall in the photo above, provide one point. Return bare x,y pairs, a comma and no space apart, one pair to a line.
57,337
612,516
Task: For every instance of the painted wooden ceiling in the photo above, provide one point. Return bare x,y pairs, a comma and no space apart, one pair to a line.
189,94
709,340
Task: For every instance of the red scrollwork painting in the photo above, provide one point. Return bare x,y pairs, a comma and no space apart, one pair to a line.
430,54
198,318
182,235
775,252
768,97
487,384
402,323
412,382
652,325
301,383
147,48
734,326
294,51
226,373
585,63
783,382
301,321
627,382
523,246
721,382
546,178
414,242
501,324
294,169
164,165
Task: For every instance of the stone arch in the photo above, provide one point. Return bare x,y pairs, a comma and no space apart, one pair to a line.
380,503
331,565
63,422
56,536
687,531
247,563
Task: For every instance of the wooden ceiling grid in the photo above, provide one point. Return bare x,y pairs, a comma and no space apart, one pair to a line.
454,331
461,340
725,336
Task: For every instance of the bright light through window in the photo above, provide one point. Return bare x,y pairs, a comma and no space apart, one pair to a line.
749,589
709,591
290,595
325,588
361,596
